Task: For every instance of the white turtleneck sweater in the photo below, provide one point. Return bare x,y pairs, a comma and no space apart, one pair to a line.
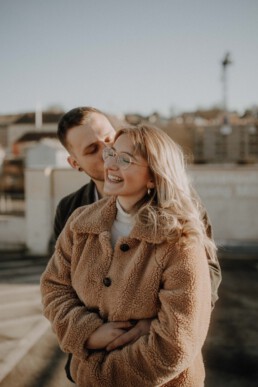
122,225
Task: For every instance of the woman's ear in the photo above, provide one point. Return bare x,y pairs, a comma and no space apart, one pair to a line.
151,184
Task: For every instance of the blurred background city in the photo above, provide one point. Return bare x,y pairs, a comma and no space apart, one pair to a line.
189,68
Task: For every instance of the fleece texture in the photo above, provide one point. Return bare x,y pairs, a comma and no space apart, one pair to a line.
87,283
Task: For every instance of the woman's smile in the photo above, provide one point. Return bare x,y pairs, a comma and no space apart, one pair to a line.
113,178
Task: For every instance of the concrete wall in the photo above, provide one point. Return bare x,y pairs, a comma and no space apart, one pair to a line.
229,193
44,188
12,232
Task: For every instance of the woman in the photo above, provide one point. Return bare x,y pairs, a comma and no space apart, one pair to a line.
138,254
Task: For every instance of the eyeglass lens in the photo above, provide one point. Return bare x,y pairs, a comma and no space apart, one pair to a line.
122,159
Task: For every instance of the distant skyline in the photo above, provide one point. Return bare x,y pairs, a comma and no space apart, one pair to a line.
123,56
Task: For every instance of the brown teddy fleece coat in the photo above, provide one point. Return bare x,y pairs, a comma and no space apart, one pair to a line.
87,282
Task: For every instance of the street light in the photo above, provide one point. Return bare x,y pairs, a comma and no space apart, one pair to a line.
225,128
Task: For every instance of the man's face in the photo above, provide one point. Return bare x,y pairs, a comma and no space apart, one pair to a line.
86,142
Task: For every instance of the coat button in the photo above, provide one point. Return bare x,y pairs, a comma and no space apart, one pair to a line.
107,281
124,247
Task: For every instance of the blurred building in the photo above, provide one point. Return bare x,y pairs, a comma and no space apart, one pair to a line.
30,140
5,122
12,176
18,133
31,122
230,144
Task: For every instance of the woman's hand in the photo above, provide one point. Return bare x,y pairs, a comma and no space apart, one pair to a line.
106,334
142,327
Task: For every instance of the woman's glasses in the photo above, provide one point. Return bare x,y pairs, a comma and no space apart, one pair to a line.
122,159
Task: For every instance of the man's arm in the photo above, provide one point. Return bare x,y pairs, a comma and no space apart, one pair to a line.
141,328
214,266
215,275
69,203
59,221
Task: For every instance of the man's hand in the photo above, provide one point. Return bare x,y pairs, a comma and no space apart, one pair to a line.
106,334
142,327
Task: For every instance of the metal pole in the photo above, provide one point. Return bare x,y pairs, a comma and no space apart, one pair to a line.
225,62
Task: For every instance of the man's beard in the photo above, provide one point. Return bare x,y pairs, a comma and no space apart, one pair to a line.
96,177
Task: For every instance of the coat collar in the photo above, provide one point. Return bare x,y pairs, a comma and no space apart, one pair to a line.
99,217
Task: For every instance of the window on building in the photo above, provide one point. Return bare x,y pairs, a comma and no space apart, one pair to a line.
253,144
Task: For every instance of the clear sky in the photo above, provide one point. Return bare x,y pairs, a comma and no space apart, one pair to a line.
127,55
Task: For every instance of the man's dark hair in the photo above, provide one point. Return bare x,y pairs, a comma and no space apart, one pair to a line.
74,117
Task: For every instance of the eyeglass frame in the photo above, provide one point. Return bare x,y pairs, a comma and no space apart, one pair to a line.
116,157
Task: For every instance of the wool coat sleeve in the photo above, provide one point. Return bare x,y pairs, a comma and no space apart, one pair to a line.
176,335
72,322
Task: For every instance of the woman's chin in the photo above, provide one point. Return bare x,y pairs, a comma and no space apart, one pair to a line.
110,189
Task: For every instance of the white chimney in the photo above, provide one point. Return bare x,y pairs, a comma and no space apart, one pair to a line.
38,117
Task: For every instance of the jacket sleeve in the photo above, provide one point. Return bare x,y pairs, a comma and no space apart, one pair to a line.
69,317
215,275
176,335
214,266
59,221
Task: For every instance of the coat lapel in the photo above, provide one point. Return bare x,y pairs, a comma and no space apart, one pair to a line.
99,217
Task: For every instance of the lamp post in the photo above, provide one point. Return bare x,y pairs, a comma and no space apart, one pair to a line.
225,129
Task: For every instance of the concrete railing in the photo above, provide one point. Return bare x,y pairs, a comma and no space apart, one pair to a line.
229,193
44,189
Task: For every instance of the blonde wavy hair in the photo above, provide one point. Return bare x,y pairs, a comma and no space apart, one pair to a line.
173,204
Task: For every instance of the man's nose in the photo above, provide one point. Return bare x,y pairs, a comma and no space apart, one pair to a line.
111,163
103,144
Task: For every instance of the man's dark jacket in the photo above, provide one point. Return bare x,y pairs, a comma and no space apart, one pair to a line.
84,195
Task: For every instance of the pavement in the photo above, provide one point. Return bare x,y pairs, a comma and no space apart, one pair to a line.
21,323
29,353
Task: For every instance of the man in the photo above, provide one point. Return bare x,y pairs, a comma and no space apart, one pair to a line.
84,132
